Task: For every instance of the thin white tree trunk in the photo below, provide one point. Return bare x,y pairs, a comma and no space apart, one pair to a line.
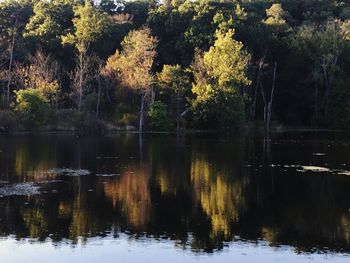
269,106
81,73
12,50
98,97
142,111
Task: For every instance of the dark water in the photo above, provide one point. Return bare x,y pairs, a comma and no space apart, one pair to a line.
201,198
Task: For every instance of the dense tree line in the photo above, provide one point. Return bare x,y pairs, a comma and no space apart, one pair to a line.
174,64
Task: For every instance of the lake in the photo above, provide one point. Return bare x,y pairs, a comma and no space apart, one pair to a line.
207,198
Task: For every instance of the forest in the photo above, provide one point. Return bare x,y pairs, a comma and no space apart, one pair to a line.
174,65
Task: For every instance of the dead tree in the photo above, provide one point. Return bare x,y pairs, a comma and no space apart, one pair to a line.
11,56
257,85
269,106
268,101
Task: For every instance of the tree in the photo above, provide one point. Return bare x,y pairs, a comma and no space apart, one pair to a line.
32,106
276,16
133,64
89,25
49,20
177,80
220,77
108,6
157,115
13,15
41,74
323,45
81,77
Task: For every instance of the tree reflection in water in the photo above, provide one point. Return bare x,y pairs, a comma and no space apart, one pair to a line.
201,192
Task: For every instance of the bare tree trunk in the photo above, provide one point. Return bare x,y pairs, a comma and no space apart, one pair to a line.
327,92
178,113
98,96
265,104
12,50
142,111
153,96
316,106
81,73
183,114
258,81
256,94
269,106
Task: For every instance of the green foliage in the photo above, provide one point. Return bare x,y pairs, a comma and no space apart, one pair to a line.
225,111
154,44
134,63
89,102
89,25
276,16
32,106
108,6
158,119
175,79
339,116
68,119
139,10
219,75
49,21
8,121
323,48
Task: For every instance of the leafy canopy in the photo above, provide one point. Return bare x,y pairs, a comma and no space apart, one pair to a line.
134,63
89,25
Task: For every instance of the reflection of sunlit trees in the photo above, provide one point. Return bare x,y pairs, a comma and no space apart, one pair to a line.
169,167
85,212
222,200
131,193
29,159
270,234
312,219
345,222
169,179
83,222
36,221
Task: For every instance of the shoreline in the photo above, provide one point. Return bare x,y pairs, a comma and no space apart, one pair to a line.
244,130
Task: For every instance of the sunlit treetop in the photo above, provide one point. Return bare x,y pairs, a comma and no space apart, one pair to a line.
89,25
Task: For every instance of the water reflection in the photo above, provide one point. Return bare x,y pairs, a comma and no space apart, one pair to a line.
201,192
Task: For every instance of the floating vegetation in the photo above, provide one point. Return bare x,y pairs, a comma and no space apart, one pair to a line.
311,168
106,157
319,154
305,168
70,172
19,189
315,169
344,173
107,175
4,182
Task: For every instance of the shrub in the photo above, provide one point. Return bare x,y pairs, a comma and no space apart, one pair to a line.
89,102
32,106
157,115
129,119
91,124
8,121
68,119
223,111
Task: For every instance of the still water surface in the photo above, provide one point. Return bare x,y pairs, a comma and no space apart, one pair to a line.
199,198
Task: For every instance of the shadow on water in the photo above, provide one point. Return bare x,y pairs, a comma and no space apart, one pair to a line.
203,192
